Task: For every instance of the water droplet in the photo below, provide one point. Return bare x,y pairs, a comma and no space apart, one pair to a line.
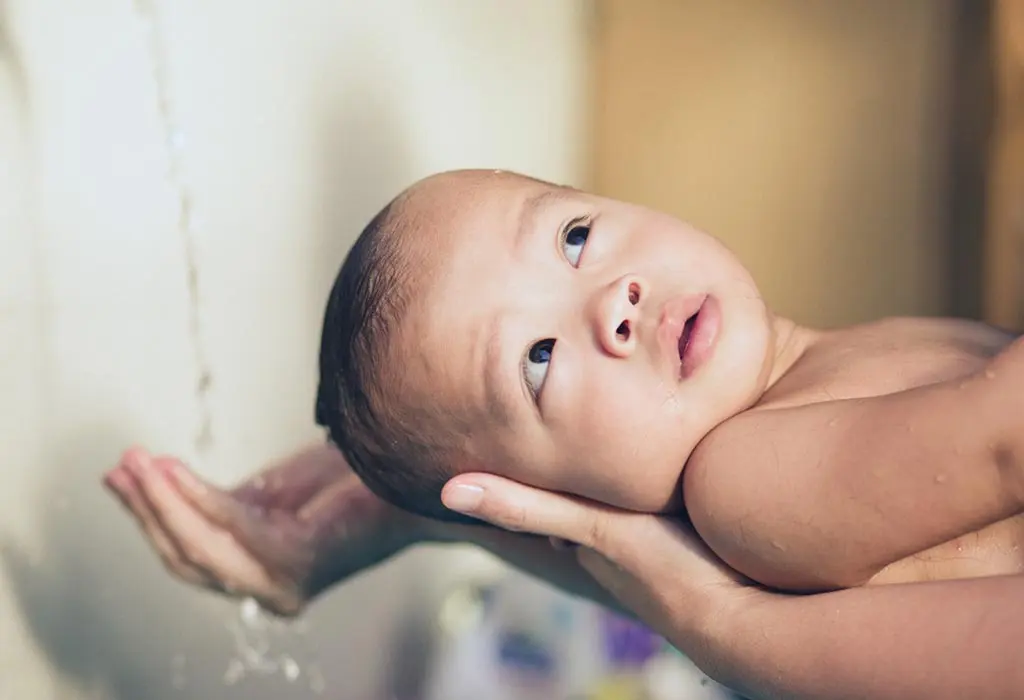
940,478
832,423
266,645
990,374
250,611
316,679
234,672
176,139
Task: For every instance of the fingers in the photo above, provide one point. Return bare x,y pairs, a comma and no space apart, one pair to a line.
610,575
123,484
200,551
521,508
203,543
246,526
560,545
217,506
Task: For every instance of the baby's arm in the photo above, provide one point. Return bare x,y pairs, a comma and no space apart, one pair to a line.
826,495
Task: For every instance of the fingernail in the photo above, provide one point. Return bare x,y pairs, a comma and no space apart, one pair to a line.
463,498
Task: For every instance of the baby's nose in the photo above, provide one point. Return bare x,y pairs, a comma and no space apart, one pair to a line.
616,315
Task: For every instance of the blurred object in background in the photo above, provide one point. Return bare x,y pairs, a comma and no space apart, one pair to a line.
1004,278
510,637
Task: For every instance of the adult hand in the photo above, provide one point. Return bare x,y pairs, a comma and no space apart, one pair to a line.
655,566
930,640
281,537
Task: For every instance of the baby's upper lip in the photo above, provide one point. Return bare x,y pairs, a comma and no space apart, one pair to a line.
674,315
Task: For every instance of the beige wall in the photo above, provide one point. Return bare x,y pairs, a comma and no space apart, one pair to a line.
1004,270
298,120
810,136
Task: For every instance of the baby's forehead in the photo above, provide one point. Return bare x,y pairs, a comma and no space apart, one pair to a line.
445,201
436,223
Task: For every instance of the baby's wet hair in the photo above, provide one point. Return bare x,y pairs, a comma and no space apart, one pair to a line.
402,453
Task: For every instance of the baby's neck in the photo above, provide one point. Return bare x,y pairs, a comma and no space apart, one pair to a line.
791,342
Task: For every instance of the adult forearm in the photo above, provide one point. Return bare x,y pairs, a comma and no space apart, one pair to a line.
950,639
531,554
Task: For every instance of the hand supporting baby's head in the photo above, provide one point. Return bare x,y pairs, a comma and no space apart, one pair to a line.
492,322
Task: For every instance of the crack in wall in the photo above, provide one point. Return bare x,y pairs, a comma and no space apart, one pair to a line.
185,223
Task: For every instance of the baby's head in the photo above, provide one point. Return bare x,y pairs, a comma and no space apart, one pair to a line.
486,321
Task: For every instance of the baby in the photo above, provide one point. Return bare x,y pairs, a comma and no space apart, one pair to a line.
487,321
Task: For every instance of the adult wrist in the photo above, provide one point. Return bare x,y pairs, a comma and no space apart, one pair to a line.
716,629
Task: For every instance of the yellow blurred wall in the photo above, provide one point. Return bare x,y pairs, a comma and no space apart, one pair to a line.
810,136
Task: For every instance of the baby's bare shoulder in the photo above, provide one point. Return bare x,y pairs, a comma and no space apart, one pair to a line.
751,489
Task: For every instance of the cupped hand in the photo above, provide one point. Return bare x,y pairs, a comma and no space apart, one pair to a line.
655,566
281,537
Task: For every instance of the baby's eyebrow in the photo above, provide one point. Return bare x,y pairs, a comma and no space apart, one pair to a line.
535,204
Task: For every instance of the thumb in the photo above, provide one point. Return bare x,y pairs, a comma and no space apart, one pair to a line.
520,508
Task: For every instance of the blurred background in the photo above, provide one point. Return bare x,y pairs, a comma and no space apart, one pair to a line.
180,179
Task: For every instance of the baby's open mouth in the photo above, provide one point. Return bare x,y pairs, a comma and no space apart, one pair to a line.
693,345
684,337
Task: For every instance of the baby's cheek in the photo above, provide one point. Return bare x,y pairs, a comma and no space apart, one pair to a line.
616,480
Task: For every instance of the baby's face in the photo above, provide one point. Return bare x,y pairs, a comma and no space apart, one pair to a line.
587,345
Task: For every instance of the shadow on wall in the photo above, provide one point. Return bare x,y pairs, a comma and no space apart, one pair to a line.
91,611
97,601
366,162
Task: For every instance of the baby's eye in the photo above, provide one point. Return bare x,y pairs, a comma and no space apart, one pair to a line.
535,364
573,241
